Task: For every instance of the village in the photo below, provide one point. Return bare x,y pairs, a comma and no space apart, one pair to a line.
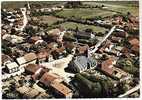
48,55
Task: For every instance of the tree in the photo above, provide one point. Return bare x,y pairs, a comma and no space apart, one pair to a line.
128,13
73,4
128,66
6,49
29,30
88,88
93,41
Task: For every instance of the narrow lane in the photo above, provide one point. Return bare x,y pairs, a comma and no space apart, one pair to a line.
130,91
99,43
25,20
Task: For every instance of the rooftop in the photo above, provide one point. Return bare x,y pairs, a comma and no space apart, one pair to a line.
107,66
12,65
30,57
32,68
47,78
61,88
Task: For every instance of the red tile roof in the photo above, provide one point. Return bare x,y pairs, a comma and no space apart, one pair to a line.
32,68
42,54
135,49
47,78
82,49
61,88
107,66
134,41
30,57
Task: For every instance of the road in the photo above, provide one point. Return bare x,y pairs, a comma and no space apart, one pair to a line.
130,91
25,20
99,43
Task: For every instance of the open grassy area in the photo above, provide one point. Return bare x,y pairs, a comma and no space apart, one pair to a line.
49,19
73,25
84,13
20,4
119,6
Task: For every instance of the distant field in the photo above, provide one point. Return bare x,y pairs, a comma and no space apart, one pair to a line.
49,19
119,6
19,4
84,13
73,25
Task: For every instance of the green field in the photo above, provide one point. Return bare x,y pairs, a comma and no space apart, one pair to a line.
20,4
84,13
49,19
73,25
119,6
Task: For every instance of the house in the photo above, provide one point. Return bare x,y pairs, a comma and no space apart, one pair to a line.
117,20
133,41
12,67
118,73
38,74
82,63
107,46
54,32
13,38
32,68
28,92
84,35
48,78
30,57
122,34
34,39
59,53
27,59
57,34
113,52
82,50
125,50
62,90
135,49
43,55
69,46
116,39
52,46
107,67
5,59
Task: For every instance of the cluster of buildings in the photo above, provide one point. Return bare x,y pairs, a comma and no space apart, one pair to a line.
38,59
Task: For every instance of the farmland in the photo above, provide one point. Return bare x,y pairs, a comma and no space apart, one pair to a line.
73,25
49,19
84,13
122,7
